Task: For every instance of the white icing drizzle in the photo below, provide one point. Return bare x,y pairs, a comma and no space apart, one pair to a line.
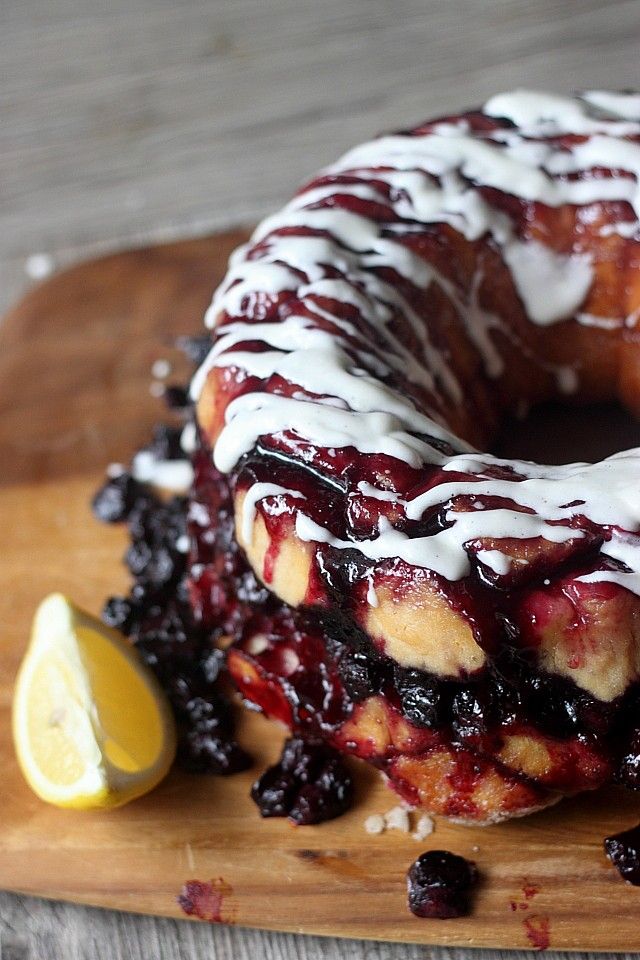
495,560
330,262
256,494
443,552
188,438
372,596
173,475
626,105
536,269
603,323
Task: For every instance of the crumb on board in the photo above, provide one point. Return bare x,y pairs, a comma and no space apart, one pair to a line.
161,369
397,819
400,818
375,823
424,827
156,388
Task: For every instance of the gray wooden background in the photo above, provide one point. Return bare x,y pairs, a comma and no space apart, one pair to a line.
125,121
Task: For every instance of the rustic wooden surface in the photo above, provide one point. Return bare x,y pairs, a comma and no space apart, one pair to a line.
139,119
75,360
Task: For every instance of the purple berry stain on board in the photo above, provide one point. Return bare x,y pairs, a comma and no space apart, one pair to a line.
439,885
204,899
538,933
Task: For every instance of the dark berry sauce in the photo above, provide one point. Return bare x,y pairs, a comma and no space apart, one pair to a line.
439,885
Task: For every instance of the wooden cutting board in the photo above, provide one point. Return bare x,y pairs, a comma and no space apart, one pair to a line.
75,359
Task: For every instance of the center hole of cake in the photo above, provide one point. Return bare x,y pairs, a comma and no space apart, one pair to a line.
563,433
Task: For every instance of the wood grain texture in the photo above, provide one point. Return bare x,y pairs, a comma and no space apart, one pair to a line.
73,399
141,119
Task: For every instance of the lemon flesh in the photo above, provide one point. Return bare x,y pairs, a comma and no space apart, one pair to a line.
91,726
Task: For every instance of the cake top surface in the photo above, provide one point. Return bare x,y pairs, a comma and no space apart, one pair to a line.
312,311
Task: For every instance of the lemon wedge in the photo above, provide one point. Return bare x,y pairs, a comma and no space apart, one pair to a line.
91,725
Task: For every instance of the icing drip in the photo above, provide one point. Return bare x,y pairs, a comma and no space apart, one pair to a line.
338,346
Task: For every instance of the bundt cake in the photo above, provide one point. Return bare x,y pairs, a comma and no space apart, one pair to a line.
467,623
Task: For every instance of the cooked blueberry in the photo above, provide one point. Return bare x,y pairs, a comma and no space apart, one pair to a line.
117,612
168,639
165,444
195,348
309,784
200,752
157,566
628,773
329,797
176,397
439,885
211,664
138,557
198,704
505,700
274,792
551,704
116,498
360,674
470,713
162,566
420,697
623,849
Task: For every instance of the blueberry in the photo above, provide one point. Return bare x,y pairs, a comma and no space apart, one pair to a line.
469,713
176,397
505,700
200,752
157,566
165,444
117,613
439,884
309,784
623,849
551,705
360,675
138,557
421,697
115,500
274,792
628,773
195,348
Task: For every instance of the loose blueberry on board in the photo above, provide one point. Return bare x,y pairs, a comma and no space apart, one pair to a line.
439,885
117,613
203,753
115,500
309,784
623,849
